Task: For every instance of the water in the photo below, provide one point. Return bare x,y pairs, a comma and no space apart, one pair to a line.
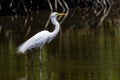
85,49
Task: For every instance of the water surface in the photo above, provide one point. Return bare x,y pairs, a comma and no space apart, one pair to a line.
87,47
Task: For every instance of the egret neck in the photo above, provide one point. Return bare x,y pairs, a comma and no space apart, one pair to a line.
57,27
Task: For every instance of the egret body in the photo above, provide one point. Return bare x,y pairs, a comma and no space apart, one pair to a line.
43,37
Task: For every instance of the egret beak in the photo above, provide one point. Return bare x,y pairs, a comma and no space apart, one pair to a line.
62,14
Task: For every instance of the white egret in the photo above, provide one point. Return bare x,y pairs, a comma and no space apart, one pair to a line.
43,37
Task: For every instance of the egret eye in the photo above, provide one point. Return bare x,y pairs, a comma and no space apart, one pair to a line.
56,14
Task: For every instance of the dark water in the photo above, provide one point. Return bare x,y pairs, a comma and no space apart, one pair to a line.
87,47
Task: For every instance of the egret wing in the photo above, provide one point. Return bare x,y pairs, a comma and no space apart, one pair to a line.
38,40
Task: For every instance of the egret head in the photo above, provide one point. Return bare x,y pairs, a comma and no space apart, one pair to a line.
55,14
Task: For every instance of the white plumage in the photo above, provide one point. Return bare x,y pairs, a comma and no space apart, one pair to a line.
36,41
41,38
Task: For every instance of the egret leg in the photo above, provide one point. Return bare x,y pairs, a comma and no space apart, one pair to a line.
41,72
33,57
41,56
30,58
30,66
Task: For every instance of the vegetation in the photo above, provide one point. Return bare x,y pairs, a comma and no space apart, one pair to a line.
13,7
